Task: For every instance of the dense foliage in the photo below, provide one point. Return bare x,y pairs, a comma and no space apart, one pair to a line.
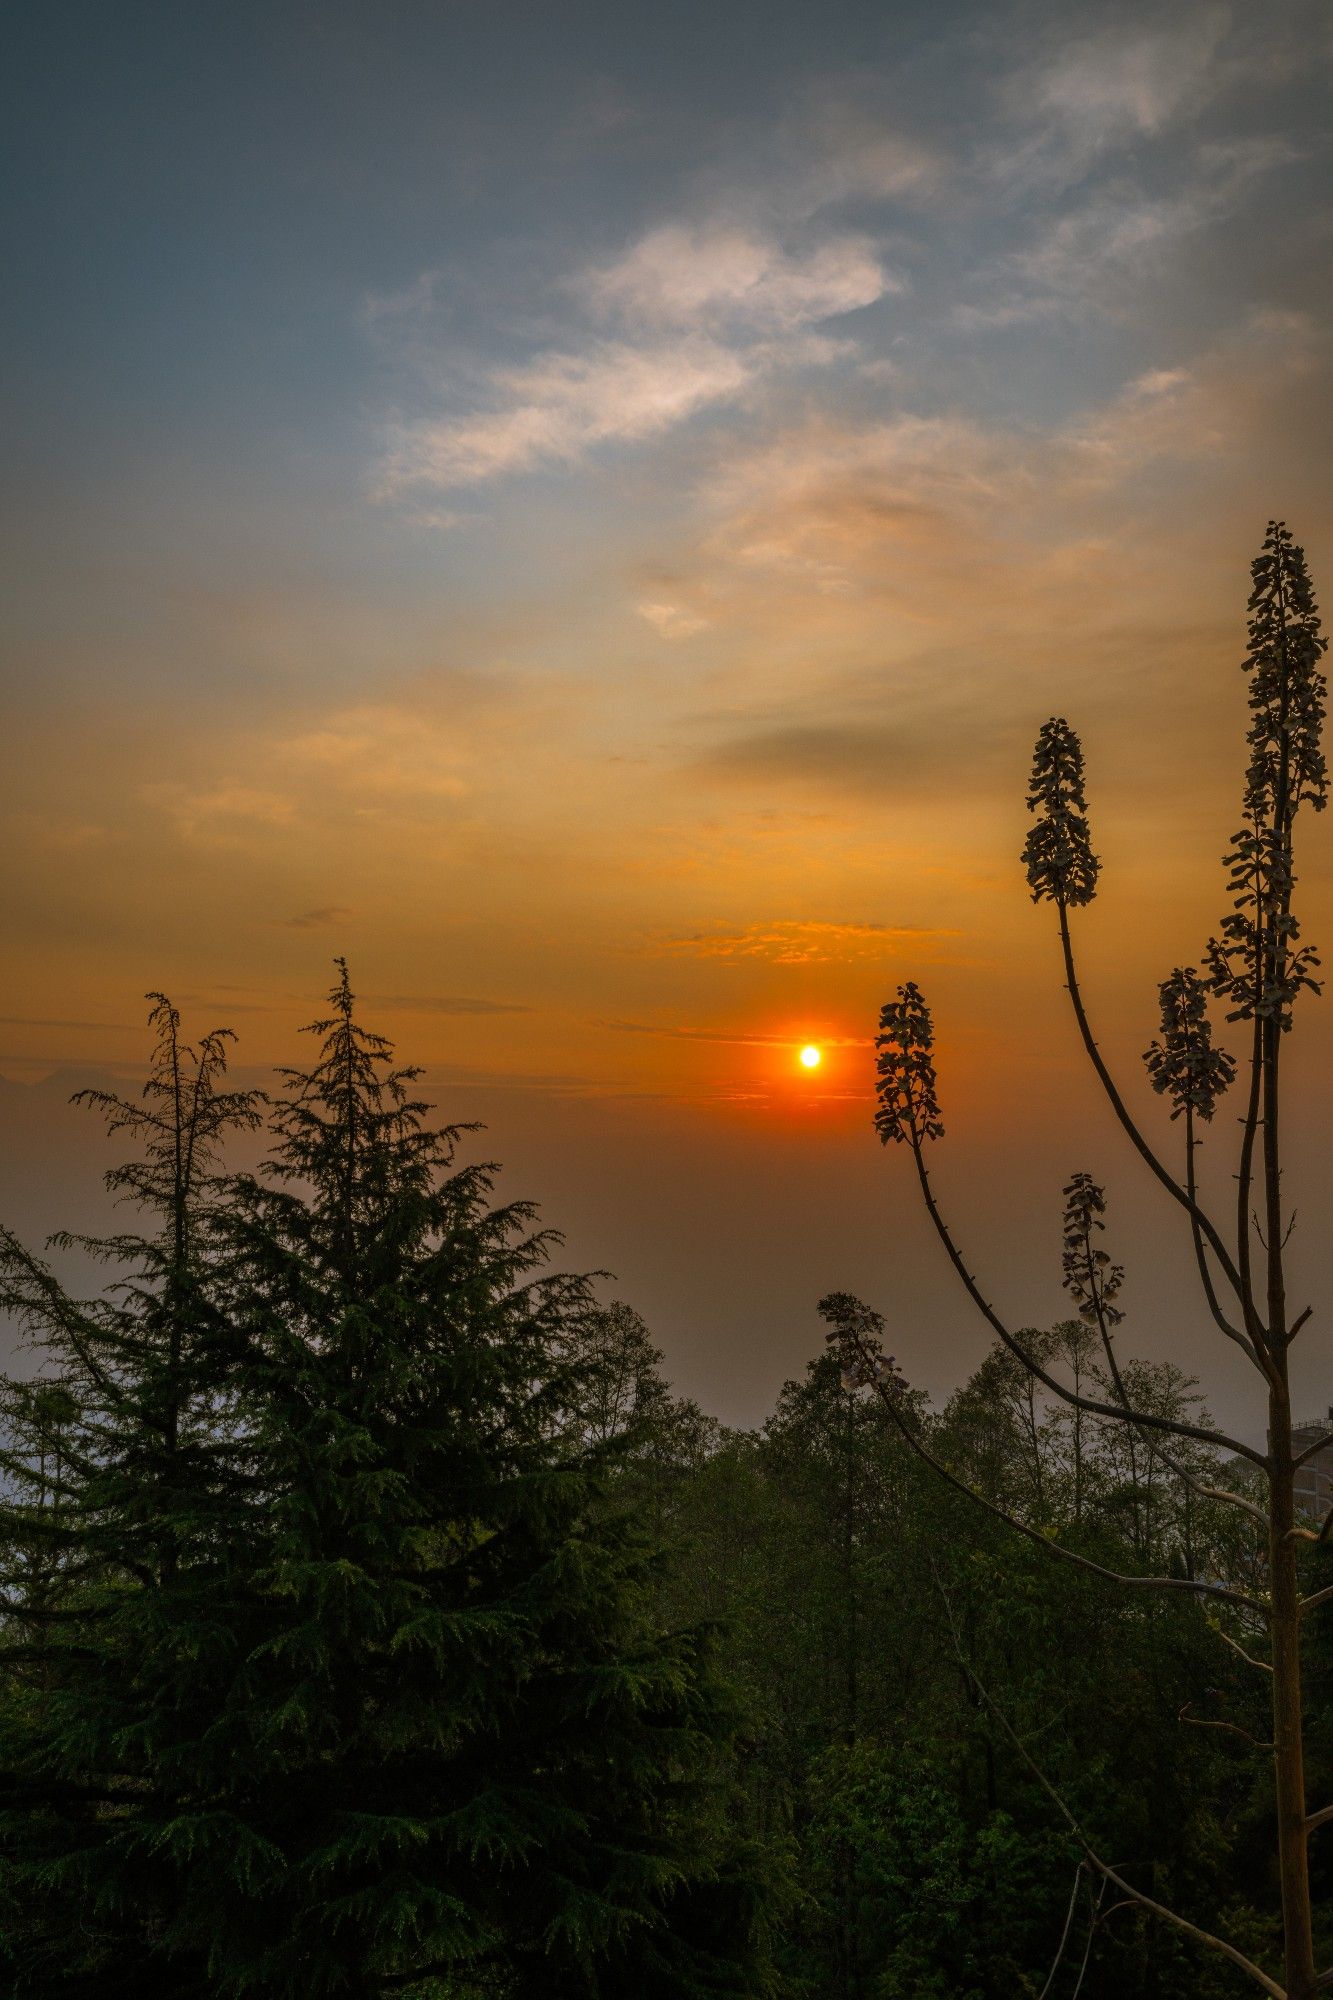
333,1664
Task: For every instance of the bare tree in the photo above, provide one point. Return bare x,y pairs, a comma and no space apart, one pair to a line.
1257,967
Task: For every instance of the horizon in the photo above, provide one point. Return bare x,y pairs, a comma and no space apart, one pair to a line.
586,517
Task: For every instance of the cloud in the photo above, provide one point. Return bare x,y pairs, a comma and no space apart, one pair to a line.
797,942
723,276
312,920
672,621
1112,85
687,319
43,1021
561,406
445,1003
1116,235
729,1037
821,501
865,759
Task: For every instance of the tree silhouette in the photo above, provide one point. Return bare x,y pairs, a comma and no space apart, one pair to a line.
1258,967
335,1673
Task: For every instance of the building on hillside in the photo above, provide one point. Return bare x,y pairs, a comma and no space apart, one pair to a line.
1314,1480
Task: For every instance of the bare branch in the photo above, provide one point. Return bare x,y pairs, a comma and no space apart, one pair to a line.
1321,1818
1224,1592
1104,1868
1245,1180
1200,1251
1169,1425
1310,1450
1064,1935
1232,1728
1093,1292
1236,1647
1198,1216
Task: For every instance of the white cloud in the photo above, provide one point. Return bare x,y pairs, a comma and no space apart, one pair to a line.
560,406
723,276
672,621
689,317
1110,86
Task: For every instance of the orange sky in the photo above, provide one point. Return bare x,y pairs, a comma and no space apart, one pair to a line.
595,543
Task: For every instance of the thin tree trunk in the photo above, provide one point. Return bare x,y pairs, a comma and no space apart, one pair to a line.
1288,1745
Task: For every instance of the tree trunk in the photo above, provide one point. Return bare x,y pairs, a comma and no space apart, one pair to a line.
1288,1746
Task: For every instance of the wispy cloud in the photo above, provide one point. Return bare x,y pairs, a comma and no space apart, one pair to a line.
799,942
735,279
731,1038
445,1003
561,406
320,919
672,621
687,318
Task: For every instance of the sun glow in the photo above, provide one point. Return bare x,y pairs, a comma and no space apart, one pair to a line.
811,1056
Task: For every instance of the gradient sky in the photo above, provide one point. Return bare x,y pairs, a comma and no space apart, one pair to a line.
584,508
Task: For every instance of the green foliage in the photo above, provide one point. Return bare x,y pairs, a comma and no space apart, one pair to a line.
373,1695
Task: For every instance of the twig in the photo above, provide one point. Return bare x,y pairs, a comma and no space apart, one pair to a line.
1236,1647
1104,1868
937,1465
1205,1722
1198,1216
1170,1425
1064,1935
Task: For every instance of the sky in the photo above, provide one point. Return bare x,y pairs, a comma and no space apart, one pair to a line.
584,509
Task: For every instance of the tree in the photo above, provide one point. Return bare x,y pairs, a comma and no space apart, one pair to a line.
405,1720
1258,967
468,1752
126,1490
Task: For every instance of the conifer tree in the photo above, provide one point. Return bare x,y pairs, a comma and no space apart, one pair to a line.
124,1481
328,1669
466,1754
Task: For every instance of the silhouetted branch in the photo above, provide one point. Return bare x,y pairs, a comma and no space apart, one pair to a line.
1192,1585
1093,1293
1104,1868
1206,1722
1198,1216
1200,1251
1172,1426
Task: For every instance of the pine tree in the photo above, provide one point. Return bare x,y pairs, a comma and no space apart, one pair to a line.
124,1479
462,1757
327,1666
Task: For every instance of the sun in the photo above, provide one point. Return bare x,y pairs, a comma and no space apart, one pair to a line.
811,1056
